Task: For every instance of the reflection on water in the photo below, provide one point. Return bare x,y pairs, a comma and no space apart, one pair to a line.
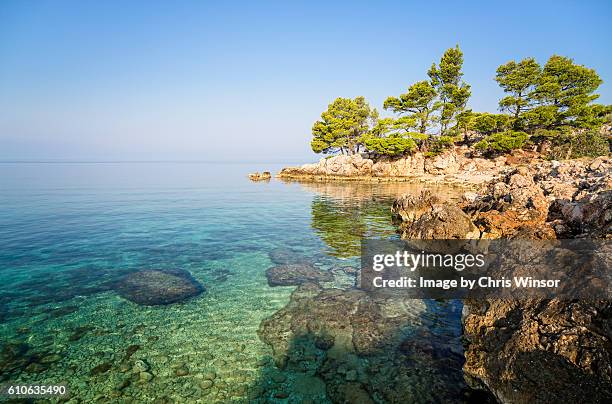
345,213
71,233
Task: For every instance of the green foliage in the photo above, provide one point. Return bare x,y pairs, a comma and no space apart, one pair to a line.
394,137
568,87
586,143
453,92
440,143
486,123
519,80
342,126
392,145
502,141
417,104
558,95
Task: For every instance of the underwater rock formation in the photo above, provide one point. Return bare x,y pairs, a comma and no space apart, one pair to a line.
153,287
365,348
296,274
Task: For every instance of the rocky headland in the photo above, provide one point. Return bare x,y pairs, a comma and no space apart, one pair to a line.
455,166
537,350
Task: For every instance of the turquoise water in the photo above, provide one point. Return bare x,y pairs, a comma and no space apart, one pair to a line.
70,232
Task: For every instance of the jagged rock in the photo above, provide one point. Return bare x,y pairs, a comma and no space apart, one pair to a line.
514,205
455,163
296,274
540,351
408,208
392,167
447,162
156,287
590,216
425,218
256,176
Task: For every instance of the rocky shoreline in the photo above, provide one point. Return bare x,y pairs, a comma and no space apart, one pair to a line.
456,167
538,350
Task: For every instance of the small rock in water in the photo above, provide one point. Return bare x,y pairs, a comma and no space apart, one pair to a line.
145,377
296,274
131,350
206,384
279,378
101,368
154,287
209,375
51,358
281,395
140,366
181,371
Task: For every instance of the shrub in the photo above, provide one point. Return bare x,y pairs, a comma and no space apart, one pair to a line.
392,145
502,142
590,143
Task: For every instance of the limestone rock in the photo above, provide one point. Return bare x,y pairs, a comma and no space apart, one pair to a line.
256,176
296,274
423,217
152,287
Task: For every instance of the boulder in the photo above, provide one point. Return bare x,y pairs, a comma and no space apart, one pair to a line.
516,203
256,176
153,287
447,162
539,351
296,274
425,217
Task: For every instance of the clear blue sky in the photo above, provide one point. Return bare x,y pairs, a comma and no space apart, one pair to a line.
108,80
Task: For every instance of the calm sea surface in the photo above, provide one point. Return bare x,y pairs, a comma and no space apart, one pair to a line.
70,232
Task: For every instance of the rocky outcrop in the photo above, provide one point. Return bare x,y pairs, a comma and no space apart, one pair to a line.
510,207
535,350
256,176
454,166
539,351
425,217
580,192
155,287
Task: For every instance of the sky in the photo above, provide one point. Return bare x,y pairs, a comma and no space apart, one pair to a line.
244,81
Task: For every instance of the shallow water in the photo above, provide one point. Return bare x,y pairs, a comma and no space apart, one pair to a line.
69,232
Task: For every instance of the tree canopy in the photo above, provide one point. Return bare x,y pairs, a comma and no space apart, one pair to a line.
343,125
554,102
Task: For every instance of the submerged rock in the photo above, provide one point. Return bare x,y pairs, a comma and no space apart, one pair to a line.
349,342
296,274
156,287
101,368
282,256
